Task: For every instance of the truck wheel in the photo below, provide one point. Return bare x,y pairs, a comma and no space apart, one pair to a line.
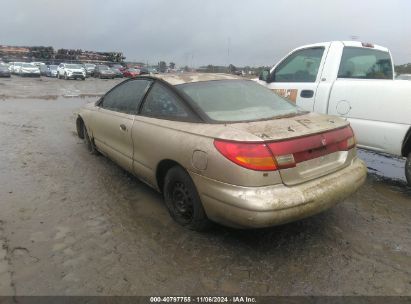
182,200
408,169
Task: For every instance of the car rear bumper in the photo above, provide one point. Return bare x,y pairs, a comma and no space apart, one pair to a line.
256,207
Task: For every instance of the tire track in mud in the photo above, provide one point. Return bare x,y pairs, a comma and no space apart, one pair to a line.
7,286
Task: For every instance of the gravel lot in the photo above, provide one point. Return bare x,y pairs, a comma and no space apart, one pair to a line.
75,224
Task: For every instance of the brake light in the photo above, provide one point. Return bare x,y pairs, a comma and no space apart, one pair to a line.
255,156
285,154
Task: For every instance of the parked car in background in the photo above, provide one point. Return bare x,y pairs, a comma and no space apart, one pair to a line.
71,71
42,66
117,72
131,72
51,70
103,71
4,70
118,66
28,69
404,77
224,149
143,71
16,67
10,66
353,80
152,71
89,67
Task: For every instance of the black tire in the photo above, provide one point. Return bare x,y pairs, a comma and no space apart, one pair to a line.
83,78
182,200
65,76
89,143
408,169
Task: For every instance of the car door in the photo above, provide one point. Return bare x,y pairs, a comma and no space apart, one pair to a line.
112,124
154,136
297,76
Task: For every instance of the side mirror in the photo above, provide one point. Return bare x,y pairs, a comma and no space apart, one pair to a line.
264,75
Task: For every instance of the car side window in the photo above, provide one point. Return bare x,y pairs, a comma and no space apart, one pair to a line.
162,102
365,63
127,97
300,66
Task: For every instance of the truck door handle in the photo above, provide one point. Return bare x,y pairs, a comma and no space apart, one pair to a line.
123,127
307,93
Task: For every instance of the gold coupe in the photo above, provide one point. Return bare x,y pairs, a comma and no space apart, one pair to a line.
224,149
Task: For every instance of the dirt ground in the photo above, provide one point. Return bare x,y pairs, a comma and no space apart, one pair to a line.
76,224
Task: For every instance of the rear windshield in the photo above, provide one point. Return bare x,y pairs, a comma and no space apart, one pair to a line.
237,100
365,63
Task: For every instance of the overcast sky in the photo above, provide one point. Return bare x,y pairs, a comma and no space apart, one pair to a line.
194,32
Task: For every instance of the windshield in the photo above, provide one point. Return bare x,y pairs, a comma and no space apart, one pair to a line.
89,65
237,100
73,66
53,67
103,67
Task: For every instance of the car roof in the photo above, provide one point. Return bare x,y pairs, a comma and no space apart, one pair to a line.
176,79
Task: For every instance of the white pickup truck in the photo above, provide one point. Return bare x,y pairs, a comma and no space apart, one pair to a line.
353,80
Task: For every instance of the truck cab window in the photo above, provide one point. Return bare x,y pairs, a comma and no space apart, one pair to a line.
300,66
364,63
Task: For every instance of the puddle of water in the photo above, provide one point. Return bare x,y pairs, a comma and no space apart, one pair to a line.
384,165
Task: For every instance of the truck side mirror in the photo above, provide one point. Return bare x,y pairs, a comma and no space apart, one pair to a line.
264,75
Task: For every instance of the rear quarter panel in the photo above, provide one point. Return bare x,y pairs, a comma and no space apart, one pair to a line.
156,140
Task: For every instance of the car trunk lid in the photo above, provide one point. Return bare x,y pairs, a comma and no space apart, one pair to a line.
305,147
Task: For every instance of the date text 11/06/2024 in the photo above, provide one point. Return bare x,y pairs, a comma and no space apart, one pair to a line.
235,299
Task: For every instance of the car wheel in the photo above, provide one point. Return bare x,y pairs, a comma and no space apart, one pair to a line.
65,76
83,78
89,143
408,169
182,200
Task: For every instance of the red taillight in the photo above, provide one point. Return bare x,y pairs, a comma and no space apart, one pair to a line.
253,156
288,153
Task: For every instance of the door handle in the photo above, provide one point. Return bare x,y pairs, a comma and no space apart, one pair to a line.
307,93
123,127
